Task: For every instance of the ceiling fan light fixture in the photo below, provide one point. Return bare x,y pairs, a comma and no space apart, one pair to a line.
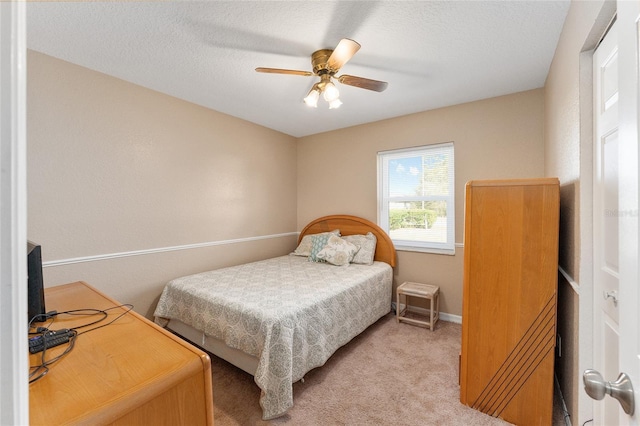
330,92
312,97
335,104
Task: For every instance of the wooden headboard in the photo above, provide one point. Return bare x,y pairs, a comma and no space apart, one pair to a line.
352,225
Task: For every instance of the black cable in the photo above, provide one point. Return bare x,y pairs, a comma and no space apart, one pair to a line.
49,315
87,312
127,305
72,342
42,368
79,312
44,364
39,371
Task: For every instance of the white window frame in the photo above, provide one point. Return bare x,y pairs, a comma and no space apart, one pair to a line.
384,157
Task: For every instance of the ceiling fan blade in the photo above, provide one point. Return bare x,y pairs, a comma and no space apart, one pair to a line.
282,71
342,53
363,83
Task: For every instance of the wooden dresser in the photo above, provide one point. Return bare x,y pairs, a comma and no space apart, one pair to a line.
509,298
130,372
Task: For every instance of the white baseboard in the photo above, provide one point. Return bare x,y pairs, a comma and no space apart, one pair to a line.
422,311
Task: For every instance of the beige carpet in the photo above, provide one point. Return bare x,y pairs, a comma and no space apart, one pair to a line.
391,374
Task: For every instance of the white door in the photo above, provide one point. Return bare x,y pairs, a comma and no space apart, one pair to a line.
615,218
606,226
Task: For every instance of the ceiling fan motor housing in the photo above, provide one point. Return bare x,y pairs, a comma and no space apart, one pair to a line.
319,60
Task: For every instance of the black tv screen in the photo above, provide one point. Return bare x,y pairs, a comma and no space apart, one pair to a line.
35,283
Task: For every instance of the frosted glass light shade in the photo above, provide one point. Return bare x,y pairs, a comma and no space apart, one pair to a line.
330,92
335,104
312,98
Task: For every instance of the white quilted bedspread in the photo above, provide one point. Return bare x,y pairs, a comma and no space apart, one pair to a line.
290,313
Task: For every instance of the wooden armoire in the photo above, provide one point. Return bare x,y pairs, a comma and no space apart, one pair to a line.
509,298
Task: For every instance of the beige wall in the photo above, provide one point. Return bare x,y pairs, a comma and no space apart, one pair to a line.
494,138
114,167
568,155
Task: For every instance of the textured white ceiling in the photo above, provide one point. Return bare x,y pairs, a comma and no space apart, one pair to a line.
432,53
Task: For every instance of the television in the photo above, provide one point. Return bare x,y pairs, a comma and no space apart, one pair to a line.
35,280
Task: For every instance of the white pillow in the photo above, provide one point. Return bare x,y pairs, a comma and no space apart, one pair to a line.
304,248
367,247
337,251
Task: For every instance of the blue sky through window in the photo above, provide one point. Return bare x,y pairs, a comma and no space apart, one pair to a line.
404,176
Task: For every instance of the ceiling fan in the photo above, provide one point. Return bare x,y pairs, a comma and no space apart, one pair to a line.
326,63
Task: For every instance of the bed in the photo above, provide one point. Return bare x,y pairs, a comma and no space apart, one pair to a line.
279,318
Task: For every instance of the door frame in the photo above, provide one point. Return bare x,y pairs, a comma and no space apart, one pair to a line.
14,369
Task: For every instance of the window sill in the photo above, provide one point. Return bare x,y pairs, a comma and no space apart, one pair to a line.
427,250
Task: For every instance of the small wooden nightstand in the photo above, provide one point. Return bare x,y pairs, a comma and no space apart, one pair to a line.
425,291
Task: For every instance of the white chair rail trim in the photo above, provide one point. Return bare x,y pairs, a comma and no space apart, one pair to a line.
99,257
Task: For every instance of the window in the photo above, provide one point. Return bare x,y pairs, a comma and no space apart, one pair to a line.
416,197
